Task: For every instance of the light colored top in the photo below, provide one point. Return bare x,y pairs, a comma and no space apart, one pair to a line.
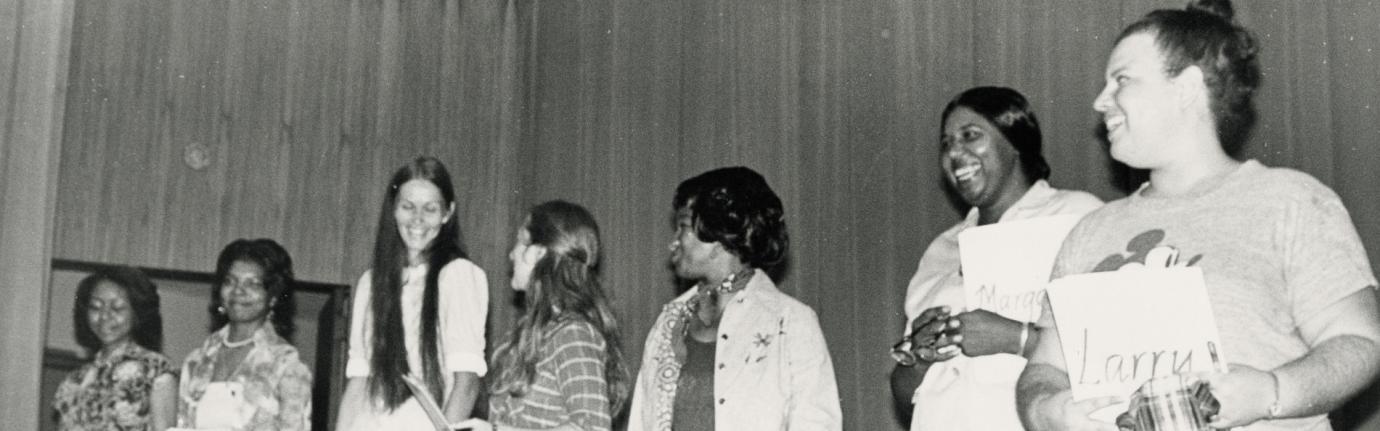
773,370
962,393
569,386
112,392
272,385
463,306
1275,247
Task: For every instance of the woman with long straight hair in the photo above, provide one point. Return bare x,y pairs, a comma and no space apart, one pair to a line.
418,312
562,365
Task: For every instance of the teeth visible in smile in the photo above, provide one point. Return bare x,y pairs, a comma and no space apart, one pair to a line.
1115,122
966,173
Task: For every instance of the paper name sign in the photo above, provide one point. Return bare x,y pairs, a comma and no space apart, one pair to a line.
1006,265
1119,329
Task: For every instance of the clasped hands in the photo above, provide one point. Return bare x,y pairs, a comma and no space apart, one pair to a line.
937,335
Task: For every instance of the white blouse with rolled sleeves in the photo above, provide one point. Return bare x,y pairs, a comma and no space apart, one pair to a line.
463,307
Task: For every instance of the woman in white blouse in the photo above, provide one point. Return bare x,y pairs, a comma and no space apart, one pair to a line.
419,311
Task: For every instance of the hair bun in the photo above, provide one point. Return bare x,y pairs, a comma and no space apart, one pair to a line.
1220,8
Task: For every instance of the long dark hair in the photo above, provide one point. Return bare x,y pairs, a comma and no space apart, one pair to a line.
564,287
147,329
278,281
389,361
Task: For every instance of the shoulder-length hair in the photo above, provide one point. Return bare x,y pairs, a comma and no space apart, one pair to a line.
735,207
278,281
1010,113
388,363
147,329
564,287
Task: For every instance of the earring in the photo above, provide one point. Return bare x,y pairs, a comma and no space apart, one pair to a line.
220,309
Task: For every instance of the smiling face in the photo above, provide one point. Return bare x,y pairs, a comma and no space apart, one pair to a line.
1139,104
524,257
109,314
243,293
976,158
420,211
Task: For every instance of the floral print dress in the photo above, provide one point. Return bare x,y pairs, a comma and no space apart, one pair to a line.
113,392
269,391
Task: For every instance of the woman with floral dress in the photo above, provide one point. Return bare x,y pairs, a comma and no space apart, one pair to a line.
246,376
129,385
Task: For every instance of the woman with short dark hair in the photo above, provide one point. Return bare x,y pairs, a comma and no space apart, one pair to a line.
733,352
955,358
128,385
246,376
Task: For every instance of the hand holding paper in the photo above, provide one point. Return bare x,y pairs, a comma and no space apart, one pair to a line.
985,333
1116,336
1244,393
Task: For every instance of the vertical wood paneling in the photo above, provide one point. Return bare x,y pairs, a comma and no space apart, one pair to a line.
307,106
305,109
838,106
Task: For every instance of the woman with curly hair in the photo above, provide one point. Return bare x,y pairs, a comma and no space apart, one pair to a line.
562,366
246,376
733,352
129,385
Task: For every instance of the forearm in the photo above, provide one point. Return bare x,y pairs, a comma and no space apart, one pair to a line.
352,402
1037,383
904,382
163,404
460,403
1330,374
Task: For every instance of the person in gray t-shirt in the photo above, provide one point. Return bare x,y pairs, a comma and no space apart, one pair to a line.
1288,280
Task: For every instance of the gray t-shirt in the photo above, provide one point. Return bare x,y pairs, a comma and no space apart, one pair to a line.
1275,246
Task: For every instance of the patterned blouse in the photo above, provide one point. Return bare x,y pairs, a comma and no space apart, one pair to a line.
113,391
272,382
569,386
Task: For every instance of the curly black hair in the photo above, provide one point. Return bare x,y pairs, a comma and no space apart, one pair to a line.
147,329
735,207
278,280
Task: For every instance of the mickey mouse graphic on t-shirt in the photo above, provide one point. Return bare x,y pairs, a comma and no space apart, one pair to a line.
1146,252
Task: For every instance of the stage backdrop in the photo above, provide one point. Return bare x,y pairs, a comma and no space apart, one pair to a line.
300,109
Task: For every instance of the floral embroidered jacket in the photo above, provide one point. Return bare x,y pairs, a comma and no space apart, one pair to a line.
112,392
772,368
277,385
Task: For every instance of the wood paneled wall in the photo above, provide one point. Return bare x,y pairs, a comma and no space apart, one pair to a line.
306,107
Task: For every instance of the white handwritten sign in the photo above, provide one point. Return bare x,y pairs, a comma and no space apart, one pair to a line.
1121,328
1006,265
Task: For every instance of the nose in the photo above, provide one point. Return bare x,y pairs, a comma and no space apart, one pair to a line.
1103,102
951,149
672,246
